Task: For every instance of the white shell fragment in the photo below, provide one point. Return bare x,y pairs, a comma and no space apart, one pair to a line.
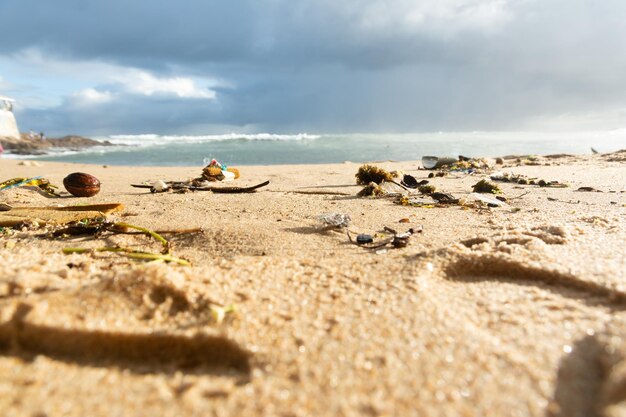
160,186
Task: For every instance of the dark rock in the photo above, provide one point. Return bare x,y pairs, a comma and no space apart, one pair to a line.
27,146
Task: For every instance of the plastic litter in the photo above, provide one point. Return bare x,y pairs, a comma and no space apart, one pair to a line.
335,220
434,162
228,176
216,171
490,201
43,184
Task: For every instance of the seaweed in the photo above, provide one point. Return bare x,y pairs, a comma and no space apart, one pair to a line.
371,190
370,173
97,228
484,186
131,253
426,189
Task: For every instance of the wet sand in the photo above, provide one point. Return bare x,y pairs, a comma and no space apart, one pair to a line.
505,311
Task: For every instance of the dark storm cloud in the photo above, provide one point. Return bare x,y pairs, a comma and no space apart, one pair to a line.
324,65
192,31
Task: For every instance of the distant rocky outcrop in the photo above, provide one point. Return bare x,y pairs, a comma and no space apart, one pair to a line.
29,146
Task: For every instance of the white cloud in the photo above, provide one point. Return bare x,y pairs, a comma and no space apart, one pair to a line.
143,83
90,96
95,82
458,15
440,18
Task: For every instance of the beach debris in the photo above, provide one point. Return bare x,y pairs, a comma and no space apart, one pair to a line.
100,226
389,236
509,177
551,184
404,220
426,189
372,190
159,186
183,186
105,208
524,180
379,182
444,198
499,161
363,239
41,183
589,189
434,162
220,313
17,216
231,190
437,174
216,171
471,165
370,173
484,186
317,192
131,253
123,227
416,202
489,201
593,151
409,181
401,240
80,184
617,156
335,220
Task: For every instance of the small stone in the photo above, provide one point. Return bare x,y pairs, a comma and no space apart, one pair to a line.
363,239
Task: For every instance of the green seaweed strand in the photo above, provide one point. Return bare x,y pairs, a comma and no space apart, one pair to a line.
164,242
130,253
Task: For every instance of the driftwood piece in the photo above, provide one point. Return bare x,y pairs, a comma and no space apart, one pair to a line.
55,215
225,190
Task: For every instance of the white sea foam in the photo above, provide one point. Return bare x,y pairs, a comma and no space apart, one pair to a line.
153,139
268,148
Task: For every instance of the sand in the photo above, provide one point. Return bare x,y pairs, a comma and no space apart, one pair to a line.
507,311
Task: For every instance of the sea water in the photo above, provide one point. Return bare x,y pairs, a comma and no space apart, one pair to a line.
268,149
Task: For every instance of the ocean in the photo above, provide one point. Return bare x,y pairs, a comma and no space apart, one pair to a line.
269,149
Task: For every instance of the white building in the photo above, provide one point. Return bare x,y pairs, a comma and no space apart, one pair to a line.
8,125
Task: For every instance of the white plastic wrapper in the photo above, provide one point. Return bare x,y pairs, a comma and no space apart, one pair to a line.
487,199
335,219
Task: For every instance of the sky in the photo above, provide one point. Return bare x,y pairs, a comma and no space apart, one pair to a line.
95,67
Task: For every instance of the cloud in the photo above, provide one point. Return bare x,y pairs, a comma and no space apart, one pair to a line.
91,73
91,96
144,83
315,65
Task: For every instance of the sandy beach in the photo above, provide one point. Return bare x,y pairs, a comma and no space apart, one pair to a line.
517,310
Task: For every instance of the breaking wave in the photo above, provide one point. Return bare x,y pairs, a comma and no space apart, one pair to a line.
153,139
